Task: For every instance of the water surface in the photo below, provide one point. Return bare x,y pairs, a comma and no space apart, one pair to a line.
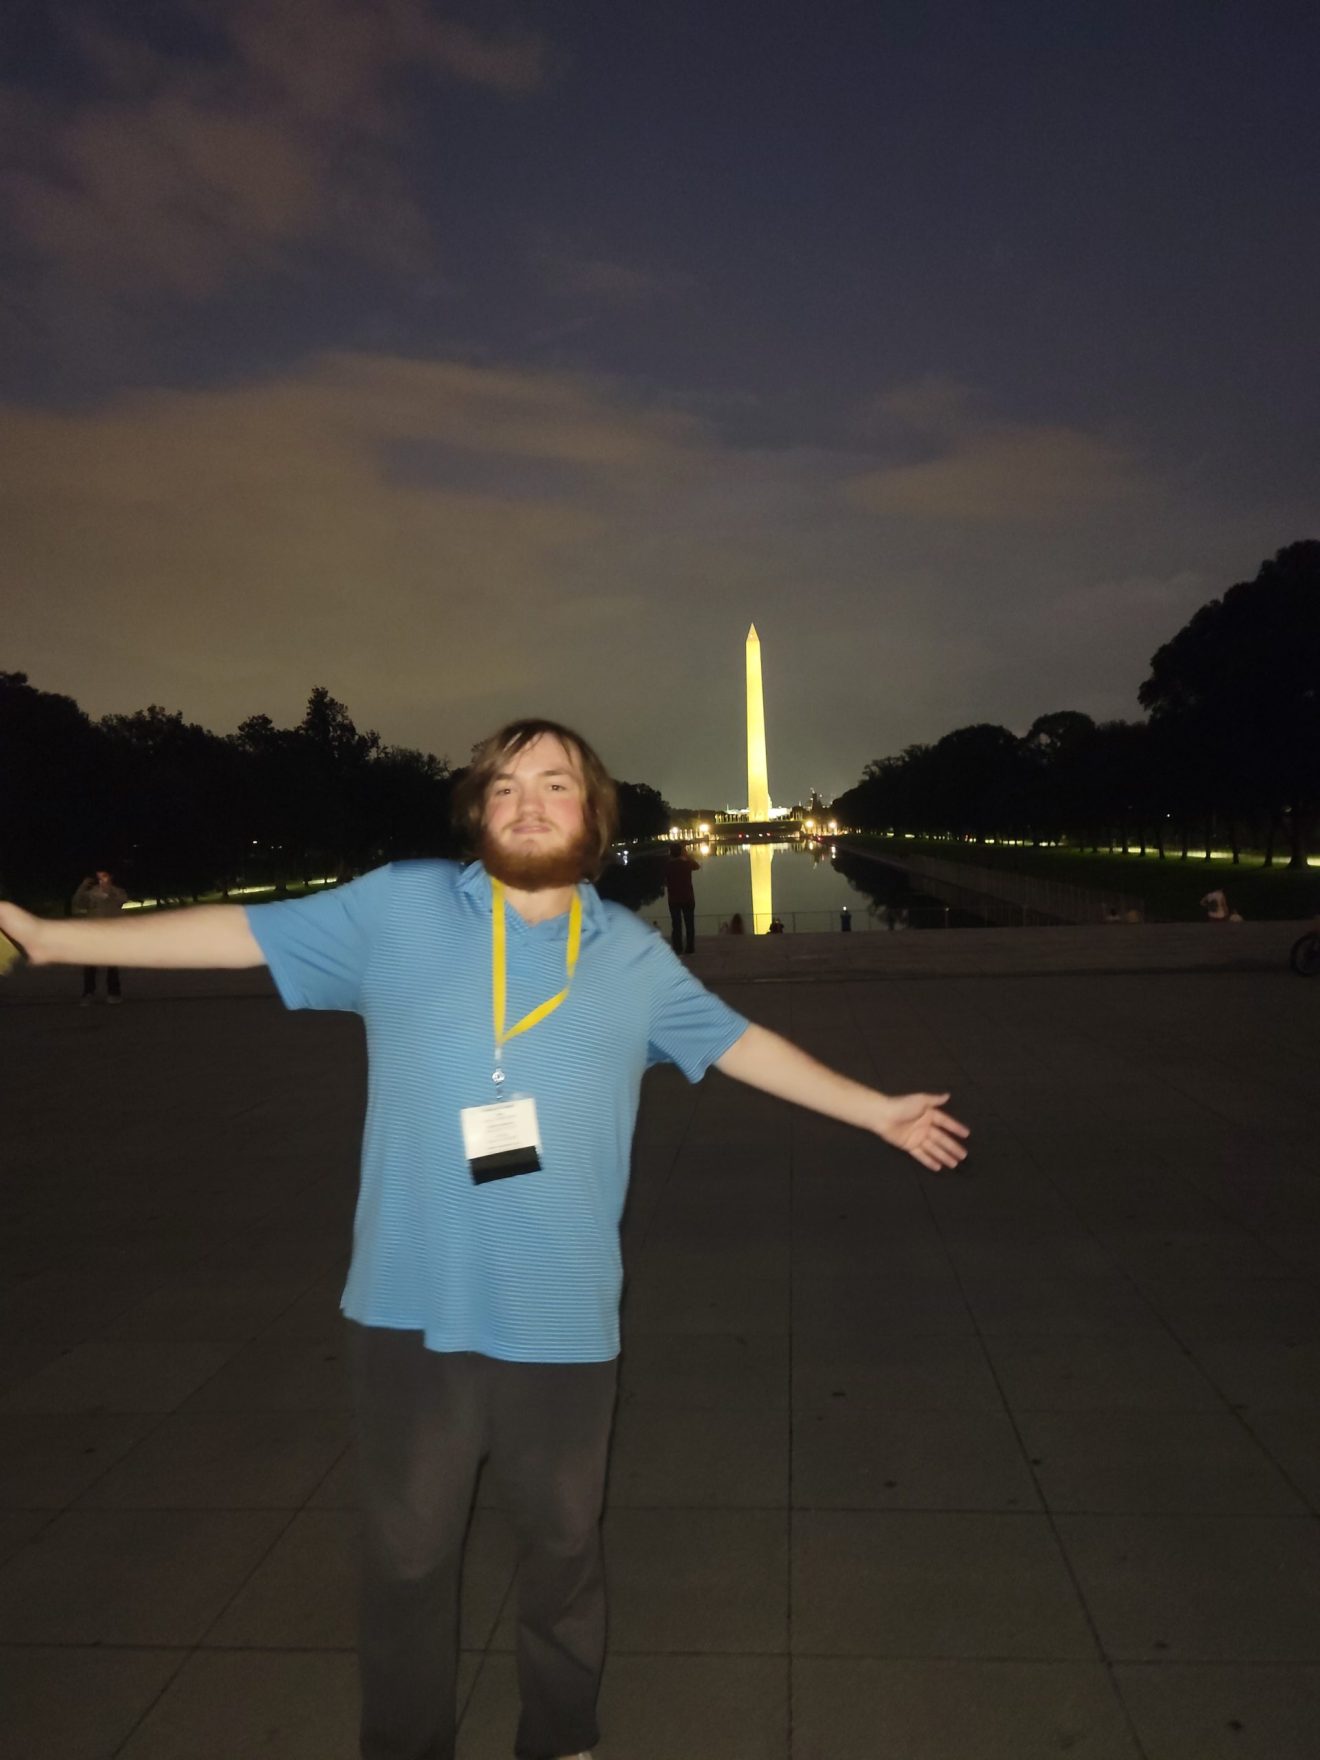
793,884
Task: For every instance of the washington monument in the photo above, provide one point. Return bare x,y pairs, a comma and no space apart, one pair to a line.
758,782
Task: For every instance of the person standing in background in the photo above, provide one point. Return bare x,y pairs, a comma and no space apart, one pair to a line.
98,896
679,870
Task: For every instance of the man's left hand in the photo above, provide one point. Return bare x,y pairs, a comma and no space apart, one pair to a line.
915,1124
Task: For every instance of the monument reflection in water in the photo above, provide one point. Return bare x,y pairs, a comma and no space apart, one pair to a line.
758,789
783,882
761,855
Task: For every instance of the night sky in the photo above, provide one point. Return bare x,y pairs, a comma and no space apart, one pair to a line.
488,360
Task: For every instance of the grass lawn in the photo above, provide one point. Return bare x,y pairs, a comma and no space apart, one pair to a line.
241,895
1171,888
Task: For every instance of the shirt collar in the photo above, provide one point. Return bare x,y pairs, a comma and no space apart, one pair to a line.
474,883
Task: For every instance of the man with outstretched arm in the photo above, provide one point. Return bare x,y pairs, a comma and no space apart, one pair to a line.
510,1016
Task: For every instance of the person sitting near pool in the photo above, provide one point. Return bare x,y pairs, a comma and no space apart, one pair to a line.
1216,907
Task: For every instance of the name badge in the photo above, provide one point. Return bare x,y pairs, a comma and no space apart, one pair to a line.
501,1140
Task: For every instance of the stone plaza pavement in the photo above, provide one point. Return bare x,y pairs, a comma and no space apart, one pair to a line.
991,1466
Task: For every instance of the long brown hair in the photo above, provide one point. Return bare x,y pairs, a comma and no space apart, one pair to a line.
493,757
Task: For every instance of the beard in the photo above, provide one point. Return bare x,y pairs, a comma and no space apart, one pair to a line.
536,870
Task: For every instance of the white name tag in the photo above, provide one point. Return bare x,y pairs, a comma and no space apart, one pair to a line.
501,1140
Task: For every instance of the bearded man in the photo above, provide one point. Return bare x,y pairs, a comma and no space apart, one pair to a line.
510,1016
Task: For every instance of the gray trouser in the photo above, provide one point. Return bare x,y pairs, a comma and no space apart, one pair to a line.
425,1420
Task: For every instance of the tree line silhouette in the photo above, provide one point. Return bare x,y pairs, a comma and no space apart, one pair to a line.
179,812
1229,756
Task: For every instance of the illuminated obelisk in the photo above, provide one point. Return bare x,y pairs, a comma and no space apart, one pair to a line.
758,782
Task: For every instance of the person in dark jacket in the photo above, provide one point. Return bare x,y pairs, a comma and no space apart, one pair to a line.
98,896
679,870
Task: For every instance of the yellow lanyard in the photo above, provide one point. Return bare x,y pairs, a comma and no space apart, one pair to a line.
499,968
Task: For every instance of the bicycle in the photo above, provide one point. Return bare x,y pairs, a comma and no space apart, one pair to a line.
1305,958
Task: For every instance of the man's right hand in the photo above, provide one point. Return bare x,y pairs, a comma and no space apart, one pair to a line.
24,930
204,937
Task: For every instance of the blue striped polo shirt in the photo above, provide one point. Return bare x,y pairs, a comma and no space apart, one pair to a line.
525,1269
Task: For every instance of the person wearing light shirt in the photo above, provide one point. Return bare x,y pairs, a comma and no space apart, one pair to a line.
510,1016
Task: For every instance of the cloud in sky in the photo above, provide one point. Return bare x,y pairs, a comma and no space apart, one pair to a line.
607,280
977,468
1011,475
187,173
229,546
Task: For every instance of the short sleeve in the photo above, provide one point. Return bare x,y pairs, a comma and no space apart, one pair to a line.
317,947
689,1026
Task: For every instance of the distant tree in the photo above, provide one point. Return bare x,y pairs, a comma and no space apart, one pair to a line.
1118,784
178,801
406,805
57,812
889,796
282,801
1239,688
1053,736
329,727
643,812
335,758
976,778
1065,775
1054,750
